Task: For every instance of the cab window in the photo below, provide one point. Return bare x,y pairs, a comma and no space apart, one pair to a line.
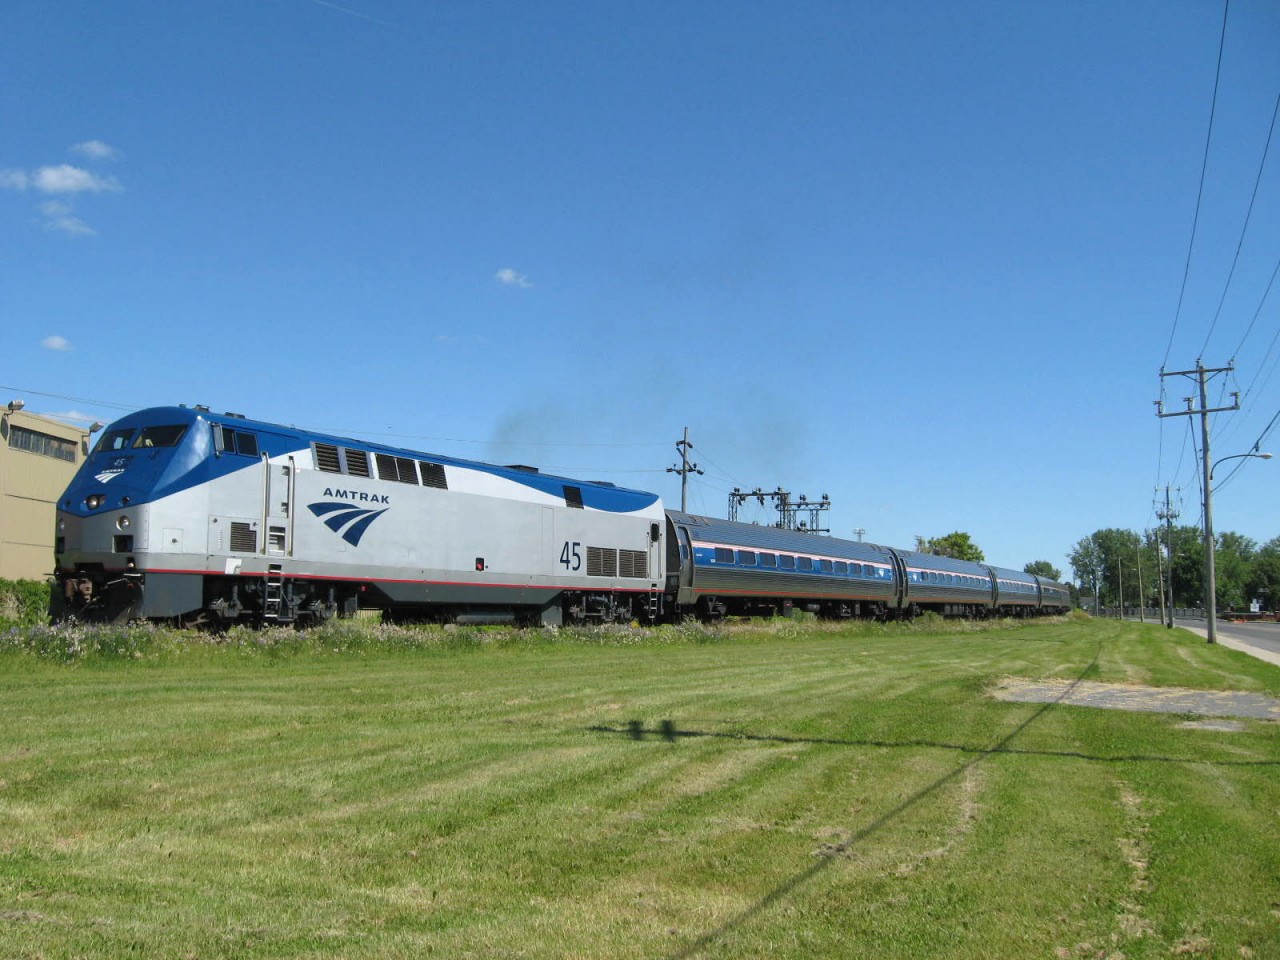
160,436
239,441
115,440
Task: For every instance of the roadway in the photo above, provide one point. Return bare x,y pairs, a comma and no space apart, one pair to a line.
1258,639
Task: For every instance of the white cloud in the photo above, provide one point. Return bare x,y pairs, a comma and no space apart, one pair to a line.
56,342
96,149
65,178
78,416
511,278
72,226
59,216
66,181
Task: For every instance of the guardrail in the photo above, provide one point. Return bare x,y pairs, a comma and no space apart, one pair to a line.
1183,613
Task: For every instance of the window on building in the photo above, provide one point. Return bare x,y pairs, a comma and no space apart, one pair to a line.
33,441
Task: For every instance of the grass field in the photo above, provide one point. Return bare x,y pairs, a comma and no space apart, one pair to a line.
772,791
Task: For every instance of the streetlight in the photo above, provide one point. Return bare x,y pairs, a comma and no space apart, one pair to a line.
1211,573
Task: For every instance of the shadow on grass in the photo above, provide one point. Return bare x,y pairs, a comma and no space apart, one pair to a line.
667,730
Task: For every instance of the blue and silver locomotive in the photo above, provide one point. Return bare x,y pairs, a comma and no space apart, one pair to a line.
188,515
181,513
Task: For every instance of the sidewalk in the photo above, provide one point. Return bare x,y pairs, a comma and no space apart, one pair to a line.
1234,644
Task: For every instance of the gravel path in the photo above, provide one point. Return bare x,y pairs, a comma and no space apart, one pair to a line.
1120,696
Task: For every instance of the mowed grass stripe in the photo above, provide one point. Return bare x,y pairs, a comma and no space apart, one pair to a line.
778,791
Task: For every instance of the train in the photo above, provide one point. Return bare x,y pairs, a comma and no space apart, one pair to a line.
183,515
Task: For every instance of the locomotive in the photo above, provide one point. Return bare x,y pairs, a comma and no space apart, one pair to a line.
185,515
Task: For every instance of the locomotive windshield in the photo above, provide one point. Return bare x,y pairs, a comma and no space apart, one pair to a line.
114,440
160,436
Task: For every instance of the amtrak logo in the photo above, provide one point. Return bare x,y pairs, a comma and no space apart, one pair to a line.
340,515
117,467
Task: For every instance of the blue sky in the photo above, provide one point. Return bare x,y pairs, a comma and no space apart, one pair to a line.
924,257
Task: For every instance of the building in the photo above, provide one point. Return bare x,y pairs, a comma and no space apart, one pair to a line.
38,458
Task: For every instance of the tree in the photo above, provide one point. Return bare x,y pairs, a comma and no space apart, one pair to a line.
956,545
1086,561
1187,570
1111,560
1232,561
1043,568
1263,582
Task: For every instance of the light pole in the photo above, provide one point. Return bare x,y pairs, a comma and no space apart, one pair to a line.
1210,569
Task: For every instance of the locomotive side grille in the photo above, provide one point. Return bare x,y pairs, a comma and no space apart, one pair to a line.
357,462
573,498
396,468
602,561
433,475
633,563
244,539
327,458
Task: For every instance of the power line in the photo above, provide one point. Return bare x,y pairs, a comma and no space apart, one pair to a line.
1204,166
59,396
1276,270
1265,369
1243,230
368,432
1257,445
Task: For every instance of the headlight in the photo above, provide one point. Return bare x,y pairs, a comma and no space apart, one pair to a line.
122,523
94,501
62,524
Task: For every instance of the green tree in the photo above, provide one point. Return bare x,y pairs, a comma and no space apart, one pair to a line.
956,545
1188,567
1263,582
1043,568
1232,561
1086,560
1110,561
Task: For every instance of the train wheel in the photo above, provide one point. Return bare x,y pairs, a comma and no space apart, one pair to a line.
711,610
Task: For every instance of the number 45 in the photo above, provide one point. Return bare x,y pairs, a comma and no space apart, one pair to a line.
571,556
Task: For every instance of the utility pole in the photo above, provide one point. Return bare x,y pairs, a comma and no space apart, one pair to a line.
1120,576
1201,375
685,468
1168,515
858,532
1142,600
1159,571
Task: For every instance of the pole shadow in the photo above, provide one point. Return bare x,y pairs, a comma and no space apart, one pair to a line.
635,729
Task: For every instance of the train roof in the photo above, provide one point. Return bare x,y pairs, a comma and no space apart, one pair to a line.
758,537
596,493
935,561
1008,573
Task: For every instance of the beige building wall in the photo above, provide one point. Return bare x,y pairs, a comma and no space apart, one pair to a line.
34,471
